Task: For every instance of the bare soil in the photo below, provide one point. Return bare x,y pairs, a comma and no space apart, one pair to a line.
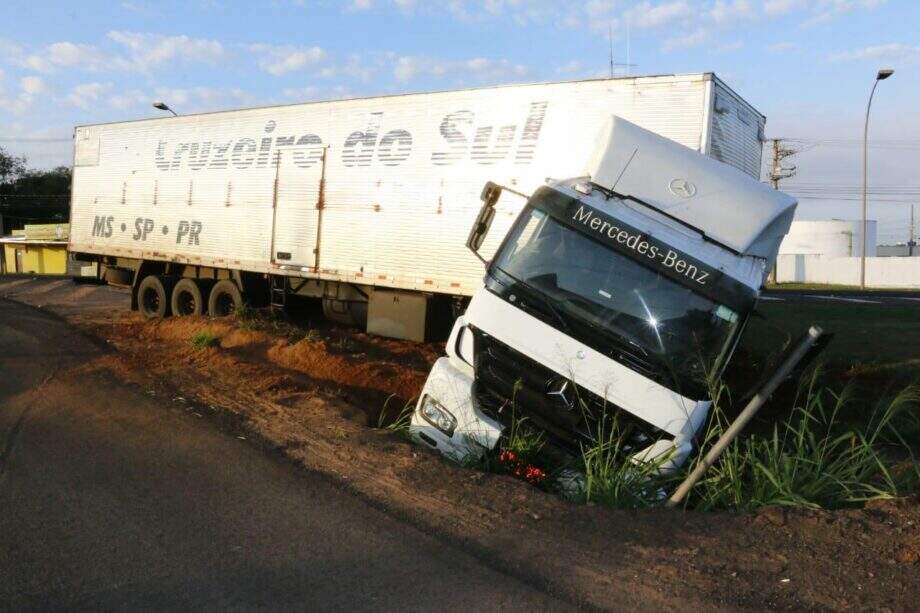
314,400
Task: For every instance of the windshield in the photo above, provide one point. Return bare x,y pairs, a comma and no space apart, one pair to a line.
585,283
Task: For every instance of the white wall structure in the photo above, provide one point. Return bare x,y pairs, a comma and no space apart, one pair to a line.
829,237
890,272
828,252
898,251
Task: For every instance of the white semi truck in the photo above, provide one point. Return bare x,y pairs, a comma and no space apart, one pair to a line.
616,295
614,291
365,203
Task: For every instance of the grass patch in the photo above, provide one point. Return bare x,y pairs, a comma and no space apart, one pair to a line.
202,340
812,458
275,323
873,348
832,288
344,344
396,420
863,333
245,313
614,479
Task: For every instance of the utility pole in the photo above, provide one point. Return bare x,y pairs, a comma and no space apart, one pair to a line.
911,243
613,64
610,40
2,249
777,170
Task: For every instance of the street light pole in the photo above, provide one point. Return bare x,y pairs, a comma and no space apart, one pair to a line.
881,76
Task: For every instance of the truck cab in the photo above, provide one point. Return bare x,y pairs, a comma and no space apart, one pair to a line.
619,295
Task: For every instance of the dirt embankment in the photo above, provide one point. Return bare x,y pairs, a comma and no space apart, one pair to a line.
312,401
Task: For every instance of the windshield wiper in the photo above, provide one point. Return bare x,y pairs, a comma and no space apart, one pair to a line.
533,291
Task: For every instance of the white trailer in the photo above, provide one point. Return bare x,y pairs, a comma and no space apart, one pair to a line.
365,203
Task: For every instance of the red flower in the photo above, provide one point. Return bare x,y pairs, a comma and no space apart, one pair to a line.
515,466
534,474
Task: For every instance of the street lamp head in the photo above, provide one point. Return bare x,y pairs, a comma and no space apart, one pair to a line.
884,73
164,107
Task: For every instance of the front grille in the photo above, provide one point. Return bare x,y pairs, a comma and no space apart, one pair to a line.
509,384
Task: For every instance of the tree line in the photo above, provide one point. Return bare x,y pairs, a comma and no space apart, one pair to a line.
31,196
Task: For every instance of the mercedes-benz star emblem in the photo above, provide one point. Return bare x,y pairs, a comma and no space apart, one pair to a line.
682,188
559,389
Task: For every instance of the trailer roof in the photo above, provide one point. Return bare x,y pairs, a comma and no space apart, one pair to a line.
703,76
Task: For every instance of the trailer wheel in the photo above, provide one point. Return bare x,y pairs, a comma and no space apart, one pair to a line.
225,299
187,298
151,297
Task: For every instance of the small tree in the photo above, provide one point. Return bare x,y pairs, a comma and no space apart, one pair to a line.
11,167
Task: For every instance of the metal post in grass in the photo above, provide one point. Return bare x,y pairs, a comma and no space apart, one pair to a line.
801,350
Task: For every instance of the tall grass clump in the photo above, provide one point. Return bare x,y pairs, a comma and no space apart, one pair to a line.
812,458
202,340
613,478
244,312
396,421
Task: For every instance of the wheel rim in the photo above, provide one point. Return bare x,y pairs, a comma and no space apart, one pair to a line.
151,300
224,304
186,303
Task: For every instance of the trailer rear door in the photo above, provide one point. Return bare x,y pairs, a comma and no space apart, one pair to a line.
298,203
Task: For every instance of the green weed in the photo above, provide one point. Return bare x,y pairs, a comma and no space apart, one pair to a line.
811,458
396,421
202,340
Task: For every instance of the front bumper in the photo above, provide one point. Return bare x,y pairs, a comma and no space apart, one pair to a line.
474,433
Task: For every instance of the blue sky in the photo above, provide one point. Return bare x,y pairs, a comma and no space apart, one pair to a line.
807,66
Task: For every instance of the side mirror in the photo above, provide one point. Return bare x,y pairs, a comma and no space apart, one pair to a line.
490,195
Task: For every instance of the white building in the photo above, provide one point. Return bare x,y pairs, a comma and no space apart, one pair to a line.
829,238
829,252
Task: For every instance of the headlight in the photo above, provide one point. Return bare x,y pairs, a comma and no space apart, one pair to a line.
438,416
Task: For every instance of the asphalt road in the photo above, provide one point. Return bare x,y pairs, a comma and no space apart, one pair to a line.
110,499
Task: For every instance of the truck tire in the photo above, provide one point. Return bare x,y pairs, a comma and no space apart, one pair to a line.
152,299
225,299
187,298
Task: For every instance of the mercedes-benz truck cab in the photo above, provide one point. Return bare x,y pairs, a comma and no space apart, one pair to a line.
615,295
